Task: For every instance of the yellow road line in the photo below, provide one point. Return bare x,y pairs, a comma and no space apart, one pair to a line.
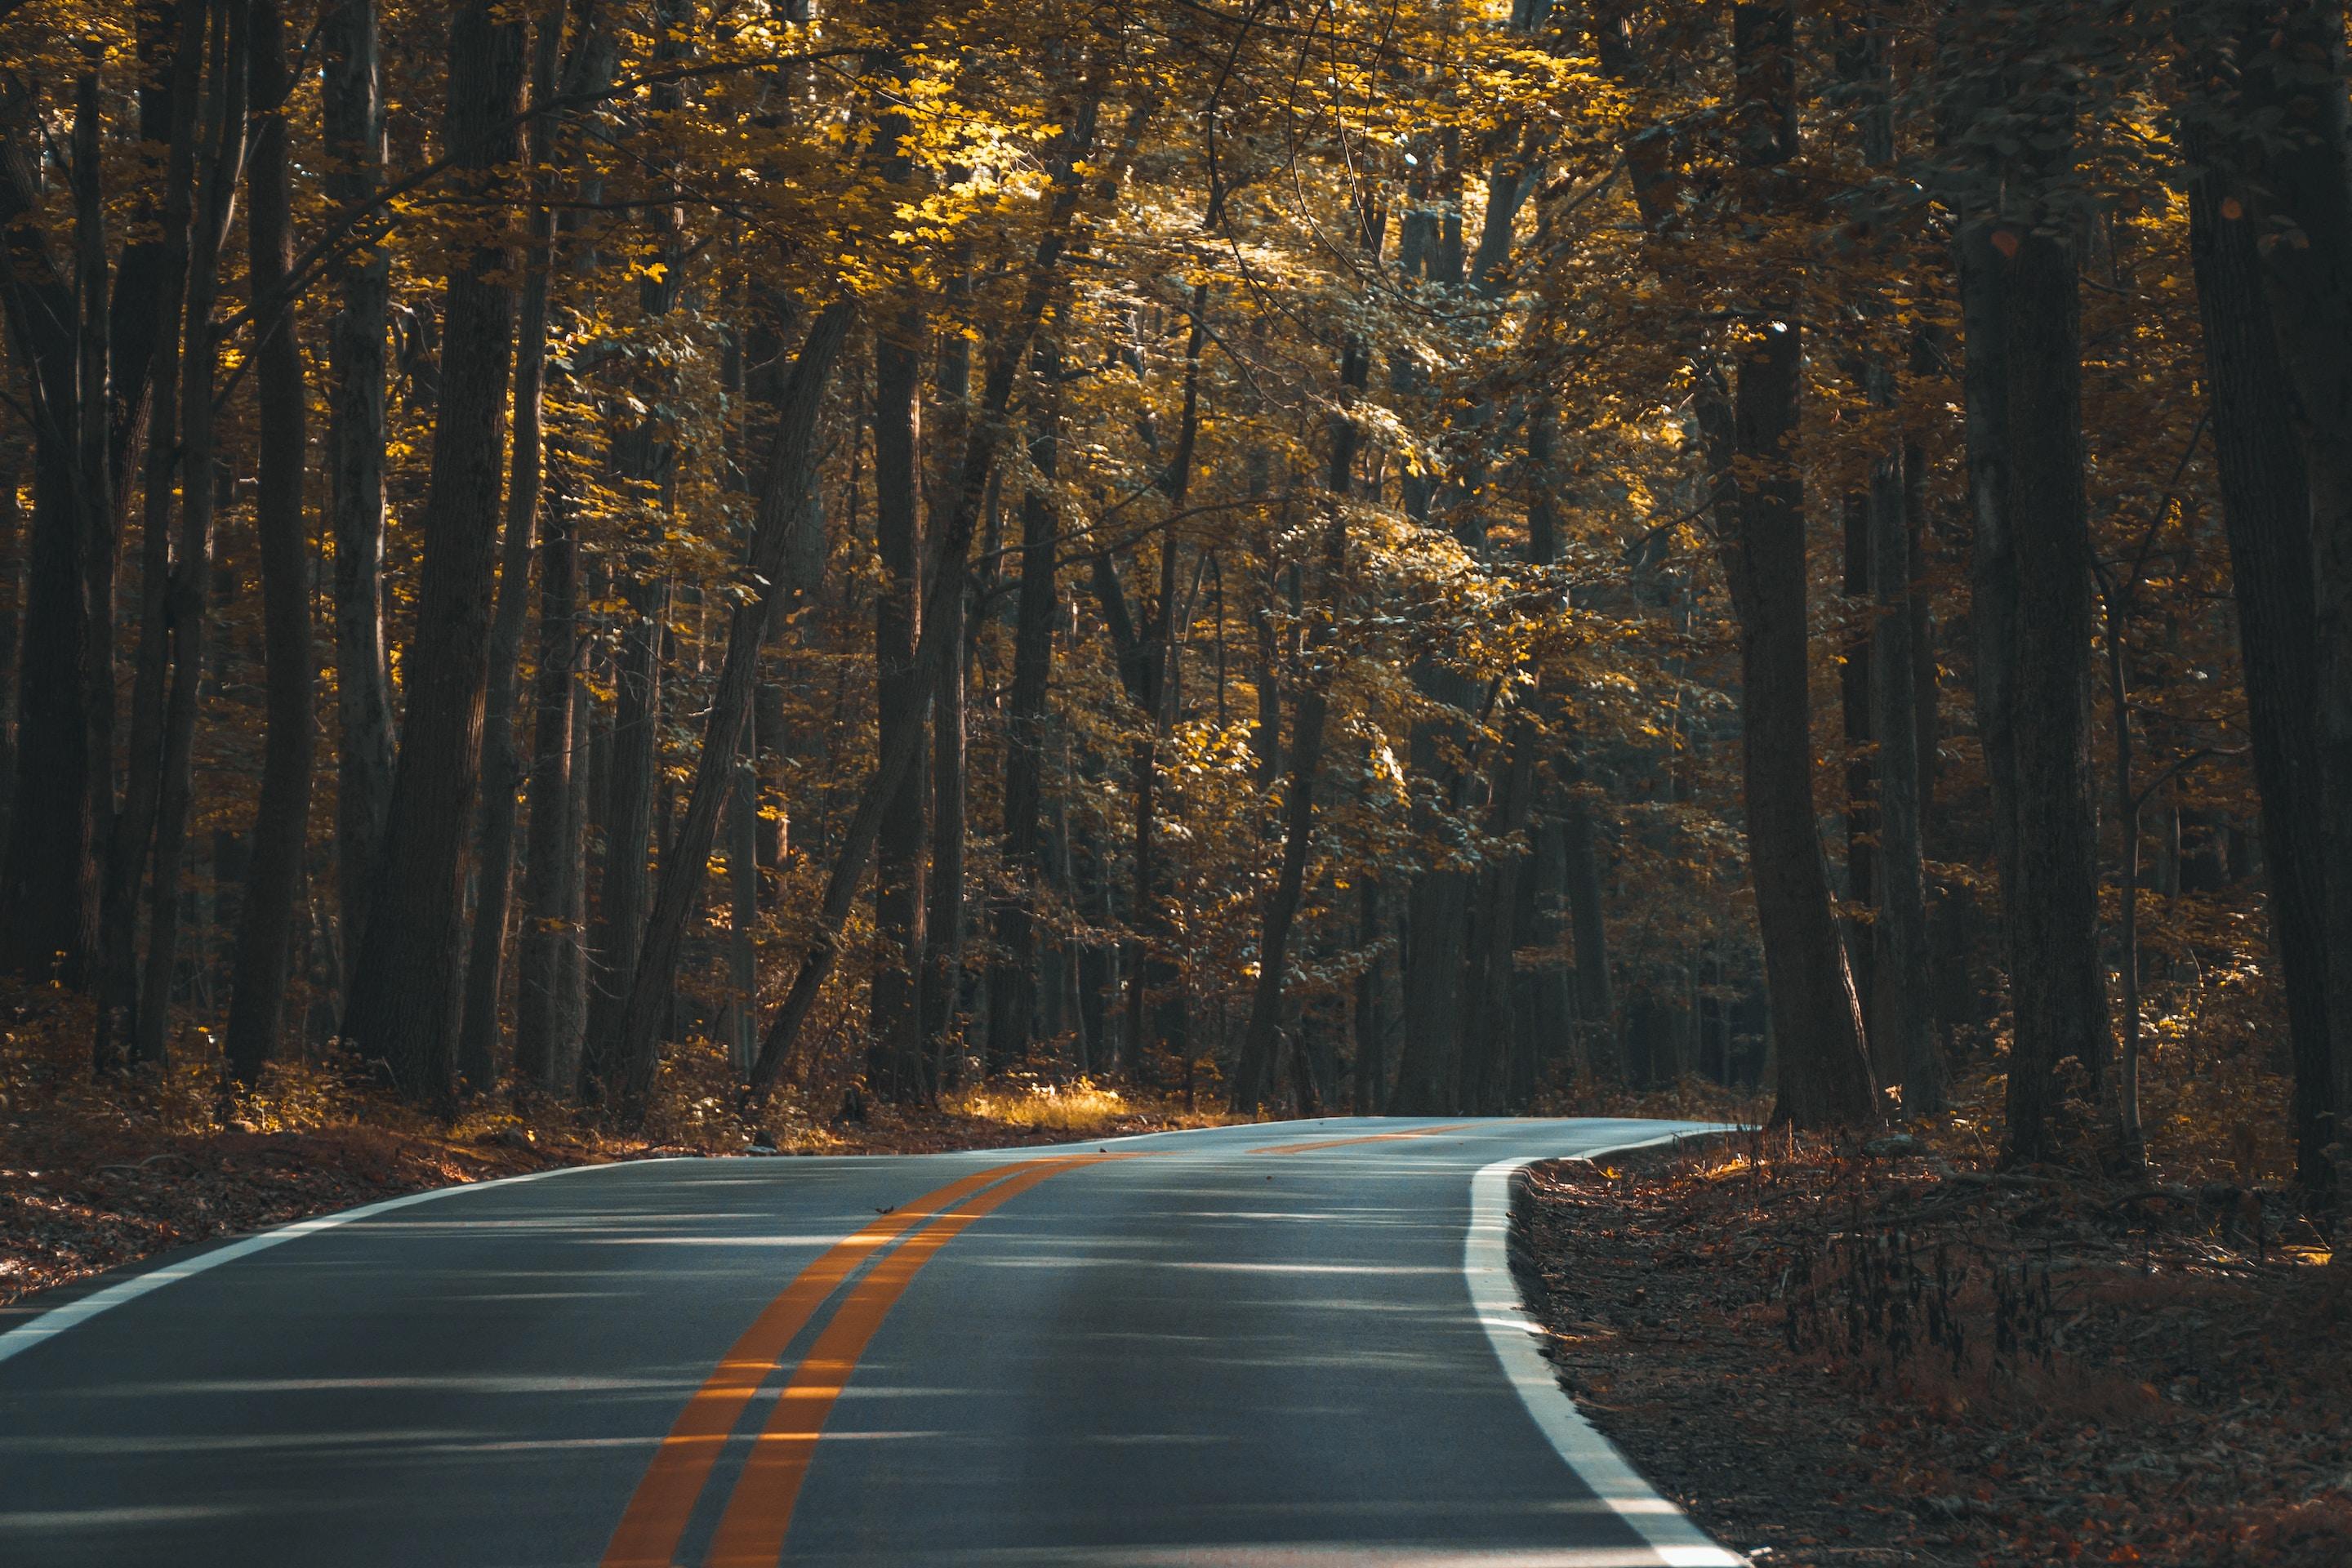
752,1532
663,1502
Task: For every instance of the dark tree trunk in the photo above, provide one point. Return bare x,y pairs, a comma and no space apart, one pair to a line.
550,934
1013,980
943,918
2266,507
1824,1067
188,597
1437,909
281,821
503,767
1596,1001
12,629
2057,982
1371,1021
2291,82
606,1074
1855,687
48,903
405,990
134,826
1901,1035
894,1065
352,108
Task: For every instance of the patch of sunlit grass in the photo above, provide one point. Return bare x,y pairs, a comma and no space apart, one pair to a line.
1080,1105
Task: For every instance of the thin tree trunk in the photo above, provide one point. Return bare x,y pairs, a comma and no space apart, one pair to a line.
134,826
94,490
12,629
1855,689
404,998
502,768
1372,1022
1901,1034
1310,711
551,866
894,1064
791,464
943,918
273,891
607,1069
1013,980
743,895
188,599
1062,234
352,107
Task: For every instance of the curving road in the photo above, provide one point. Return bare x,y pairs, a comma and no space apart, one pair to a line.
1280,1344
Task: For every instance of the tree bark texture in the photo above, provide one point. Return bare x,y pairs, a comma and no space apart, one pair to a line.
402,1007
352,110
2266,509
1825,1075
273,892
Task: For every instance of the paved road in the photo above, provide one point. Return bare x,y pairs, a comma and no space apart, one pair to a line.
1249,1345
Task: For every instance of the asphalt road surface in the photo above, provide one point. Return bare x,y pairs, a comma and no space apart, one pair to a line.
1291,1344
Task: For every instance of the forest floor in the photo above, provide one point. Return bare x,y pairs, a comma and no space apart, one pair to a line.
93,1177
1836,1357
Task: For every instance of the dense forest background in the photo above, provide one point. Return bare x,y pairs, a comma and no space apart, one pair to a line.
1425,557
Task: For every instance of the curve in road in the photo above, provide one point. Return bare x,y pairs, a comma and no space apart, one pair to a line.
1249,1345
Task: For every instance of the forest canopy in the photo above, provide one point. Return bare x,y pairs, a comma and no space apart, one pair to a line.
1433,556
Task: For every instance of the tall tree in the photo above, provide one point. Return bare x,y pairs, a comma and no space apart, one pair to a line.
403,1006
282,812
1824,1070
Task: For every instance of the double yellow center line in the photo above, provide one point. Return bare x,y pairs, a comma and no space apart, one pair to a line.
759,1511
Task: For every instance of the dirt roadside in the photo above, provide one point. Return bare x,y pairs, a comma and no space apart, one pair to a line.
1841,1361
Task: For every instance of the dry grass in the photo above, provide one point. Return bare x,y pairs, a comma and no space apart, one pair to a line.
1080,1106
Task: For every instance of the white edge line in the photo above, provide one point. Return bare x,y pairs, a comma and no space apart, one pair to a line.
1517,1337
48,1325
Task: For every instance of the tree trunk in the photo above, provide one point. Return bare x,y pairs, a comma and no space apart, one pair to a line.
894,1064
2056,978
1824,1066
188,597
1310,710
1372,1022
403,993
352,108
607,1074
792,466
1855,692
2266,509
134,826
1062,233
502,768
549,932
1013,980
943,918
12,630
1900,1031
48,905
1596,1001
282,814
2293,68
